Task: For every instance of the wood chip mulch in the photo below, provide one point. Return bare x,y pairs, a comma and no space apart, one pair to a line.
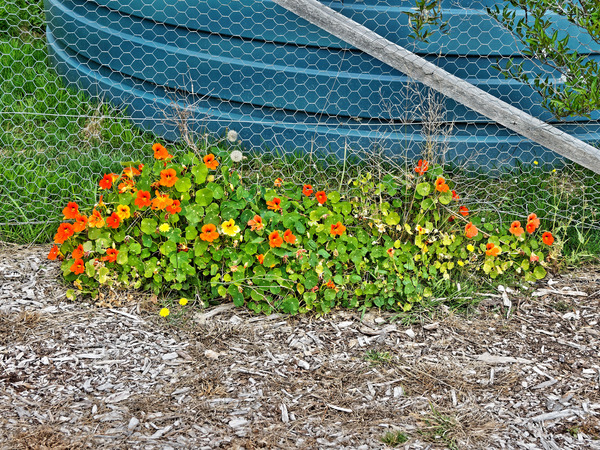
521,372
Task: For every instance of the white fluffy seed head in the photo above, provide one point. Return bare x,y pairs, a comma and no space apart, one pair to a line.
236,156
232,135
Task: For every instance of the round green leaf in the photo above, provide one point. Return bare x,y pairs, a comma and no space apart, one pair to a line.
148,226
423,189
204,197
539,272
183,184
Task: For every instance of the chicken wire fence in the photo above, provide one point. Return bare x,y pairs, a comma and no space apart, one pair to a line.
87,84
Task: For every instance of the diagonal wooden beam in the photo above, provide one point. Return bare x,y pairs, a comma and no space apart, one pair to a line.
444,82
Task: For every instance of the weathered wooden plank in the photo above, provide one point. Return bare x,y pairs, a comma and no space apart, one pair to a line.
449,85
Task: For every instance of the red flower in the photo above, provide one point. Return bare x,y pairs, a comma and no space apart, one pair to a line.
534,257
547,238
210,161
516,228
209,233
289,237
422,167
142,199
160,152
275,240
256,224
492,250
321,197
64,232
390,251
174,208
71,211
440,185
278,182
260,258
471,230
77,267
107,181
80,223
337,229
78,252
455,196
307,190
111,255
113,221
53,253
274,204
463,210
530,227
168,177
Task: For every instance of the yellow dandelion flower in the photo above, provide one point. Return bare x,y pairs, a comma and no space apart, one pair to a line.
163,228
183,301
123,212
536,163
164,312
470,248
230,228
460,262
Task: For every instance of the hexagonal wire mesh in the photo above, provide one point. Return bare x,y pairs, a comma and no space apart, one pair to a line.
285,86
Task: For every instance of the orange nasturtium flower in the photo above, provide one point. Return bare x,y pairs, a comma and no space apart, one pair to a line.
321,197
492,250
516,228
64,232
463,210
455,196
123,212
471,230
168,177
209,232
440,185
95,220
80,223
534,257
289,237
307,190
275,240
260,258
174,208
274,204
210,161
547,238
71,210
161,201
160,152
111,255
142,199
107,181
77,252
534,219
422,167
131,172
390,252
256,224
330,284
127,185
77,267
530,227
113,220
54,252
337,229
278,182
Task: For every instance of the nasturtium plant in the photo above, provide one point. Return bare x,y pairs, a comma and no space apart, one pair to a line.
197,228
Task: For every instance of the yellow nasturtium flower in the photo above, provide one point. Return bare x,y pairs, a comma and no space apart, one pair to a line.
230,228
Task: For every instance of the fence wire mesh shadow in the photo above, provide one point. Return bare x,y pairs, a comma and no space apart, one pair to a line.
85,85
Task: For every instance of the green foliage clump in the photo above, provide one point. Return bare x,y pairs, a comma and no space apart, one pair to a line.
197,226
